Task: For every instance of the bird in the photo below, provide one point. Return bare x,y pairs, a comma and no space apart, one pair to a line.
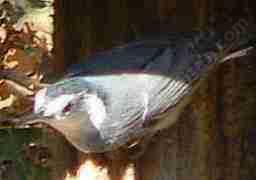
121,96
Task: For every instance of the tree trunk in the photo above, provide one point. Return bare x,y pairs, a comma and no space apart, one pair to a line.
214,137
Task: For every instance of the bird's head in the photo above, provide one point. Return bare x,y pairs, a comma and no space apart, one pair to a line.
59,106
74,112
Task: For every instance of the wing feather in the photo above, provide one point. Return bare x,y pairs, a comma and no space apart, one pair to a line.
165,73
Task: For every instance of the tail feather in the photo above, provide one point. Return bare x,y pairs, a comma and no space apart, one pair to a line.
237,54
244,42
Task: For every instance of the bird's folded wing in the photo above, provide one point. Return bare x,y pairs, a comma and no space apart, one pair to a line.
132,57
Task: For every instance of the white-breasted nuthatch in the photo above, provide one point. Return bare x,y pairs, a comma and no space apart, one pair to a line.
133,91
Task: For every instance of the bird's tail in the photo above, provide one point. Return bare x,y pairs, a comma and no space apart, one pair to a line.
238,41
237,54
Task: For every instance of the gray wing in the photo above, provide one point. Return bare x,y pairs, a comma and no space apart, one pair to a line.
180,72
134,100
128,58
131,57
158,81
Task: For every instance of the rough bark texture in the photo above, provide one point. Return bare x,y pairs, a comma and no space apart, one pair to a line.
214,138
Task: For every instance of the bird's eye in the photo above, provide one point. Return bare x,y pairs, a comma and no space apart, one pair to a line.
67,108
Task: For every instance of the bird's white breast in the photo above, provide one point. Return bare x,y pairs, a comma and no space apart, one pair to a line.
96,110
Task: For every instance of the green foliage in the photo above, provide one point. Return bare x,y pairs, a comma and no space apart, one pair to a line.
13,143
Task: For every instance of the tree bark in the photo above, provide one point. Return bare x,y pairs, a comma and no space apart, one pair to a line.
215,136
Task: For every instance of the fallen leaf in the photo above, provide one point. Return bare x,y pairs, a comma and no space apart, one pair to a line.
4,90
11,65
23,61
31,86
8,102
3,34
